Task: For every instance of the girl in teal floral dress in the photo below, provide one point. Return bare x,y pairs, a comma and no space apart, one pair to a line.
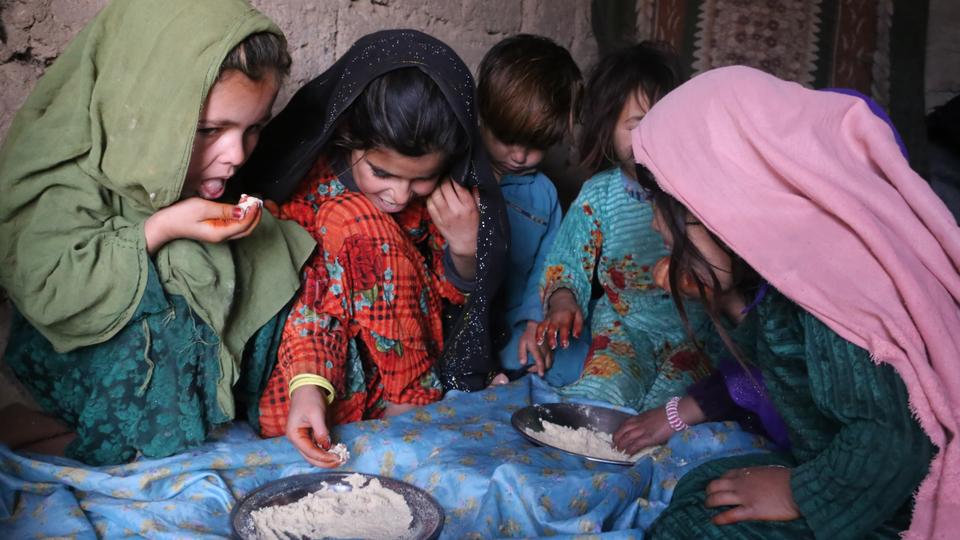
639,355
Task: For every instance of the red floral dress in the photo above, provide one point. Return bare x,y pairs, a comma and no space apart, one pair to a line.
369,315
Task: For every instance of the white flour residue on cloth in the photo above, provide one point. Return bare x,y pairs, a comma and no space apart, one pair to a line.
583,441
366,511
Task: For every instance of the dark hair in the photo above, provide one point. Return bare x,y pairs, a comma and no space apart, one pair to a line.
687,262
403,110
943,125
529,91
650,66
257,55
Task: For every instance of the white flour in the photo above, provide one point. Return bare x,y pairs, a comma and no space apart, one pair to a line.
583,441
341,452
369,511
247,202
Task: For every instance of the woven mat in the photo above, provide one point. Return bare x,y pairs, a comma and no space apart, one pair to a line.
874,46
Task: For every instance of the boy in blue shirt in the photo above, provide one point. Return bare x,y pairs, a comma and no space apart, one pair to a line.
529,91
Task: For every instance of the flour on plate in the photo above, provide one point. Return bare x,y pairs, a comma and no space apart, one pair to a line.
583,441
366,511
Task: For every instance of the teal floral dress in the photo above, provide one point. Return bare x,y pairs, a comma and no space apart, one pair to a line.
640,354
151,390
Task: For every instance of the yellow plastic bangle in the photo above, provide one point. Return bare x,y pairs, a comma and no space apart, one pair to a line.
304,379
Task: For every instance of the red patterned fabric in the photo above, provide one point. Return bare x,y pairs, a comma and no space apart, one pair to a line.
369,315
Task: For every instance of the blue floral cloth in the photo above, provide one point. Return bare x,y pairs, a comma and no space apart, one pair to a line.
490,481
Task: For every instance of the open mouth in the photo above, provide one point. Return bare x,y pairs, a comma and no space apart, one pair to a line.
213,188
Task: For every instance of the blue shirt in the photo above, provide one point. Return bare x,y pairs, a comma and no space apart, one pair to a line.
534,213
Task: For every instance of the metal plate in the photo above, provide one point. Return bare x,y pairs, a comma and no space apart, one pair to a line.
571,415
428,516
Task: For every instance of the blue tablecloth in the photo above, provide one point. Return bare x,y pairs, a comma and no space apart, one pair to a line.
490,481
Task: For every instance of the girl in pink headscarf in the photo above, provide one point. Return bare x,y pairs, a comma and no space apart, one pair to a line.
830,269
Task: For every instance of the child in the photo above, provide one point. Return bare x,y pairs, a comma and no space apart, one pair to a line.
528,95
639,356
403,210
141,301
856,336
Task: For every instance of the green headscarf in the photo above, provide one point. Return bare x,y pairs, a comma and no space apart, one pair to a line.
102,143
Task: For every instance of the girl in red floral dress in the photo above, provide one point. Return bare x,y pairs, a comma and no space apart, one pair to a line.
393,305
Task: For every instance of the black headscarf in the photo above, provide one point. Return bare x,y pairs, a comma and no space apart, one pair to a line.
302,132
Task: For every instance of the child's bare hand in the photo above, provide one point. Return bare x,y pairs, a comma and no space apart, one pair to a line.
686,284
199,219
307,427
454,210
213,222
529,347
651,427
755,493
644,430
562,320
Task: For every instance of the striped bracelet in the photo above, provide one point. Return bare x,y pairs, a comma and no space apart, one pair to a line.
673,416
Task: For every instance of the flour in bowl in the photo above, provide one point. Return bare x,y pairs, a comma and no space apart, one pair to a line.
366,511
583,441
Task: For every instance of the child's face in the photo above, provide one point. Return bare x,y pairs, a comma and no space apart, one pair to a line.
235,111
392,180
700,237
632,112
510,158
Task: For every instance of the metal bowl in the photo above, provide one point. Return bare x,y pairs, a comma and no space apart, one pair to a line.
571,415
428,516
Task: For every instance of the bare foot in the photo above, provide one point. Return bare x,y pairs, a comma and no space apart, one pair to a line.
499,380
29,430
54,446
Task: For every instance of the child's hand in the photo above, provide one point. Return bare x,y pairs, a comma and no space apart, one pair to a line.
755,493
563,318
307,427
454,210
529,346
651,427
644,430
688,287
199,219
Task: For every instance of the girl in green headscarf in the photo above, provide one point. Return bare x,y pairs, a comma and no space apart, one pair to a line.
144,309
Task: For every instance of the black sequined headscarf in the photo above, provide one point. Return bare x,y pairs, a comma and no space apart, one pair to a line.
302,132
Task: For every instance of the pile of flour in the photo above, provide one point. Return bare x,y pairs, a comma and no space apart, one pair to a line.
366,511
583,441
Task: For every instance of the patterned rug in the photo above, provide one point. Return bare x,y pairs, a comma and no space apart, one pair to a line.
874,46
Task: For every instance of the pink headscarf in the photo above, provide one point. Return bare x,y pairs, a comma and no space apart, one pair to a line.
811,189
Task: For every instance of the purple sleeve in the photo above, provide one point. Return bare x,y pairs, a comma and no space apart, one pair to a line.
714,400
878,111
712,397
